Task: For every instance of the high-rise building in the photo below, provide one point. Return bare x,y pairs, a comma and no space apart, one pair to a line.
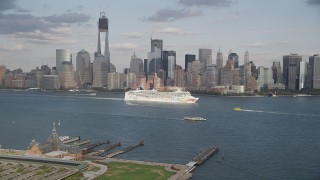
136,64
276,71
83,68
145,67
169,64
179,80
100,73
219,61
235,58
66,75
155,56
61,56
264,78
3,70
115,80
205,56
290,73
188,58
303,74
103,26
314,62
210,76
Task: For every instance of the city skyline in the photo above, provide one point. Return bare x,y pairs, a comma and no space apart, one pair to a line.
268,30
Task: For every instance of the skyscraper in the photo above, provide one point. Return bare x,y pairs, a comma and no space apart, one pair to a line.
136,64
314,62
66,75
61,56
169,64
276,71
155,56
205,56
101,63
103,26
235,58
219,62
83,68
188,58
291,73
303,74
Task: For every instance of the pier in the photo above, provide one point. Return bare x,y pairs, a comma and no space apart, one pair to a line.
90,147
203,156
71,140
124,150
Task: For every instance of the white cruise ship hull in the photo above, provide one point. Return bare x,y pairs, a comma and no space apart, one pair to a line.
163,97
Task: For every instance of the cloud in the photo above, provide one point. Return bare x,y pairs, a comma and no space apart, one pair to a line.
125,46
313,2
68,18
167,15
17,47
22,23
11,4
175,31
267,44
133,34
7,4
227,18
39,37
214,3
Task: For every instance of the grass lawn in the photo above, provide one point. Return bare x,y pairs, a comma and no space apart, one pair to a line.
119,171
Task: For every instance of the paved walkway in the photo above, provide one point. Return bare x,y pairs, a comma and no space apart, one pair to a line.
92,174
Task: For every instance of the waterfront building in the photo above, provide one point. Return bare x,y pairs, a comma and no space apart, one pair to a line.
210,76
116,81
53,143
188,58
169,64
51,82
219,61
3,70
276,71
235,59
145,67
100,72
62,55
131,80
83,68
314,62
136,64
179,79
205,56
66,75
291,66
303,74
265,78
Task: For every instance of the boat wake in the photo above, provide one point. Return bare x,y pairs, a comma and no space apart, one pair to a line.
277,112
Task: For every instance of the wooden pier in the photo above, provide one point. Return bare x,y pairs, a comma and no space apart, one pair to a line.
204,155
90,147
111,146
124,150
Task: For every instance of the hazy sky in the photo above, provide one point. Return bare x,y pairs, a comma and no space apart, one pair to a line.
31,30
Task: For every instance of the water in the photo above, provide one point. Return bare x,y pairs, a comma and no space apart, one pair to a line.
276,138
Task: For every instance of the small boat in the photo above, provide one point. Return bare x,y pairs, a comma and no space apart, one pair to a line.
237,109
194,118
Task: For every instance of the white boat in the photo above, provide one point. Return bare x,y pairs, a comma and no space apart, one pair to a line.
194,118
302,95
159,96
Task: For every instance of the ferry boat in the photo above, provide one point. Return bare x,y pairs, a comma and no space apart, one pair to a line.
159,96
194,118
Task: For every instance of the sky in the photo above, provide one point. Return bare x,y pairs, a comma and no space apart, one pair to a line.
32,30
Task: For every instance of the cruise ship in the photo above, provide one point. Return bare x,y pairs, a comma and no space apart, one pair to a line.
159,96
